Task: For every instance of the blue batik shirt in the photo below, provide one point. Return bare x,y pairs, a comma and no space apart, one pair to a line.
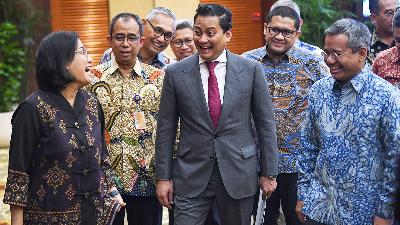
289,81
350,142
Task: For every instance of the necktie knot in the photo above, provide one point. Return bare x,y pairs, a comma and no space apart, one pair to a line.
211,65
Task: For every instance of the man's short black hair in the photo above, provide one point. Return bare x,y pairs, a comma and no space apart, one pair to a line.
284,11
126,17
223,13
374,6
55,52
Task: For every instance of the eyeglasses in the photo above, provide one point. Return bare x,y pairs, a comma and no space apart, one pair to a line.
335,56
179,43
285,32
390,12
130,37
82,50
158,32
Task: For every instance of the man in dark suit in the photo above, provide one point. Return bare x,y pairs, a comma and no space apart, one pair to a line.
214,94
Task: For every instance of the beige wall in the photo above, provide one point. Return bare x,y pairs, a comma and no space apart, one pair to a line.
181,8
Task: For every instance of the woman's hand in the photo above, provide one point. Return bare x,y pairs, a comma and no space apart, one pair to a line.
117,198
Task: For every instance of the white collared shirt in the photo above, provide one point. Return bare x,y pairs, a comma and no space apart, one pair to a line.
220,73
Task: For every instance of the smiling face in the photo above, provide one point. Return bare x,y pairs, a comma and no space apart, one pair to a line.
125,41
183,45
154,44
209,38
80,66
349,63
277,43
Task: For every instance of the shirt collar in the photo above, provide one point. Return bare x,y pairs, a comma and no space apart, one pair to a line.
221,58
375,39
357,82
137,68
160,61
288,55
394,55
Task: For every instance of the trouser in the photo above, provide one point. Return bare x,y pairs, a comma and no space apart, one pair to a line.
212,217
231,211
140,210
285,195
312,222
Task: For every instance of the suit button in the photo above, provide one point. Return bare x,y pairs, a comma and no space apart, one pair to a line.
85,172
83,149
76,125
87,194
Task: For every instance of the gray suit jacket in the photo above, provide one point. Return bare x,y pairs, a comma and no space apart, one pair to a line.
232,142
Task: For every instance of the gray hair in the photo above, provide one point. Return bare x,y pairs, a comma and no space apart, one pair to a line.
160,10
357,32
288,3
183,24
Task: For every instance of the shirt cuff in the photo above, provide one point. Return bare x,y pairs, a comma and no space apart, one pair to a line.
16,192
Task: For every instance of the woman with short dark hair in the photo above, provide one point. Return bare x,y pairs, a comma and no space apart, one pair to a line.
58,169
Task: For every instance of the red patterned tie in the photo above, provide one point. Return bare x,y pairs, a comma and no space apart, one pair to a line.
214,101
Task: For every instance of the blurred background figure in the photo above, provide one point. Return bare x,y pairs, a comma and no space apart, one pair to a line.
58,167
386,64
382,12
183,45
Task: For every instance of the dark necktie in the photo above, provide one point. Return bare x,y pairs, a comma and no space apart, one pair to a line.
214,101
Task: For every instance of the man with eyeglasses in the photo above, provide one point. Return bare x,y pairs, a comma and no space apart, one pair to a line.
183,45
129,91
290,72
159,30
298,43
350,140
387,63
382,12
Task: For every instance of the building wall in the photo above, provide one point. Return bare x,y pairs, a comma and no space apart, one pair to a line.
88,18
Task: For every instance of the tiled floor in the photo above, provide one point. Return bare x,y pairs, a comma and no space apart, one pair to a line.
4,209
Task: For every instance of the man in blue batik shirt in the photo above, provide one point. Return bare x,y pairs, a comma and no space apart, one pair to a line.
290,73
350,138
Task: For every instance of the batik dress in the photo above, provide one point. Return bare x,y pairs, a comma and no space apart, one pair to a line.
58,168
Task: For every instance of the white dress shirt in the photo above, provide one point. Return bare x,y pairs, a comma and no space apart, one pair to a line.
220,73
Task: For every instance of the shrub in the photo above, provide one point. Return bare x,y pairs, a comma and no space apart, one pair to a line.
12,66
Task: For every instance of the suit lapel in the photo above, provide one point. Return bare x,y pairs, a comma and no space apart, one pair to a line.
194,86
233,81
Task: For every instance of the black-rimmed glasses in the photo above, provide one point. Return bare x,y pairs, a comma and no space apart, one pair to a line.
285,32
179,43
132,38
158,32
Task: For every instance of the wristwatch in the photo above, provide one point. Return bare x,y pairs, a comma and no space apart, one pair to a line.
114,193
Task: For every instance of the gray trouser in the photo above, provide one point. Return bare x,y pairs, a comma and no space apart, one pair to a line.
193,211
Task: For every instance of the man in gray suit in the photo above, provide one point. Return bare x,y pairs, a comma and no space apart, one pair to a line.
215,94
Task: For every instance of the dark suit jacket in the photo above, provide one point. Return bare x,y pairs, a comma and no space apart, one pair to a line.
232,142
